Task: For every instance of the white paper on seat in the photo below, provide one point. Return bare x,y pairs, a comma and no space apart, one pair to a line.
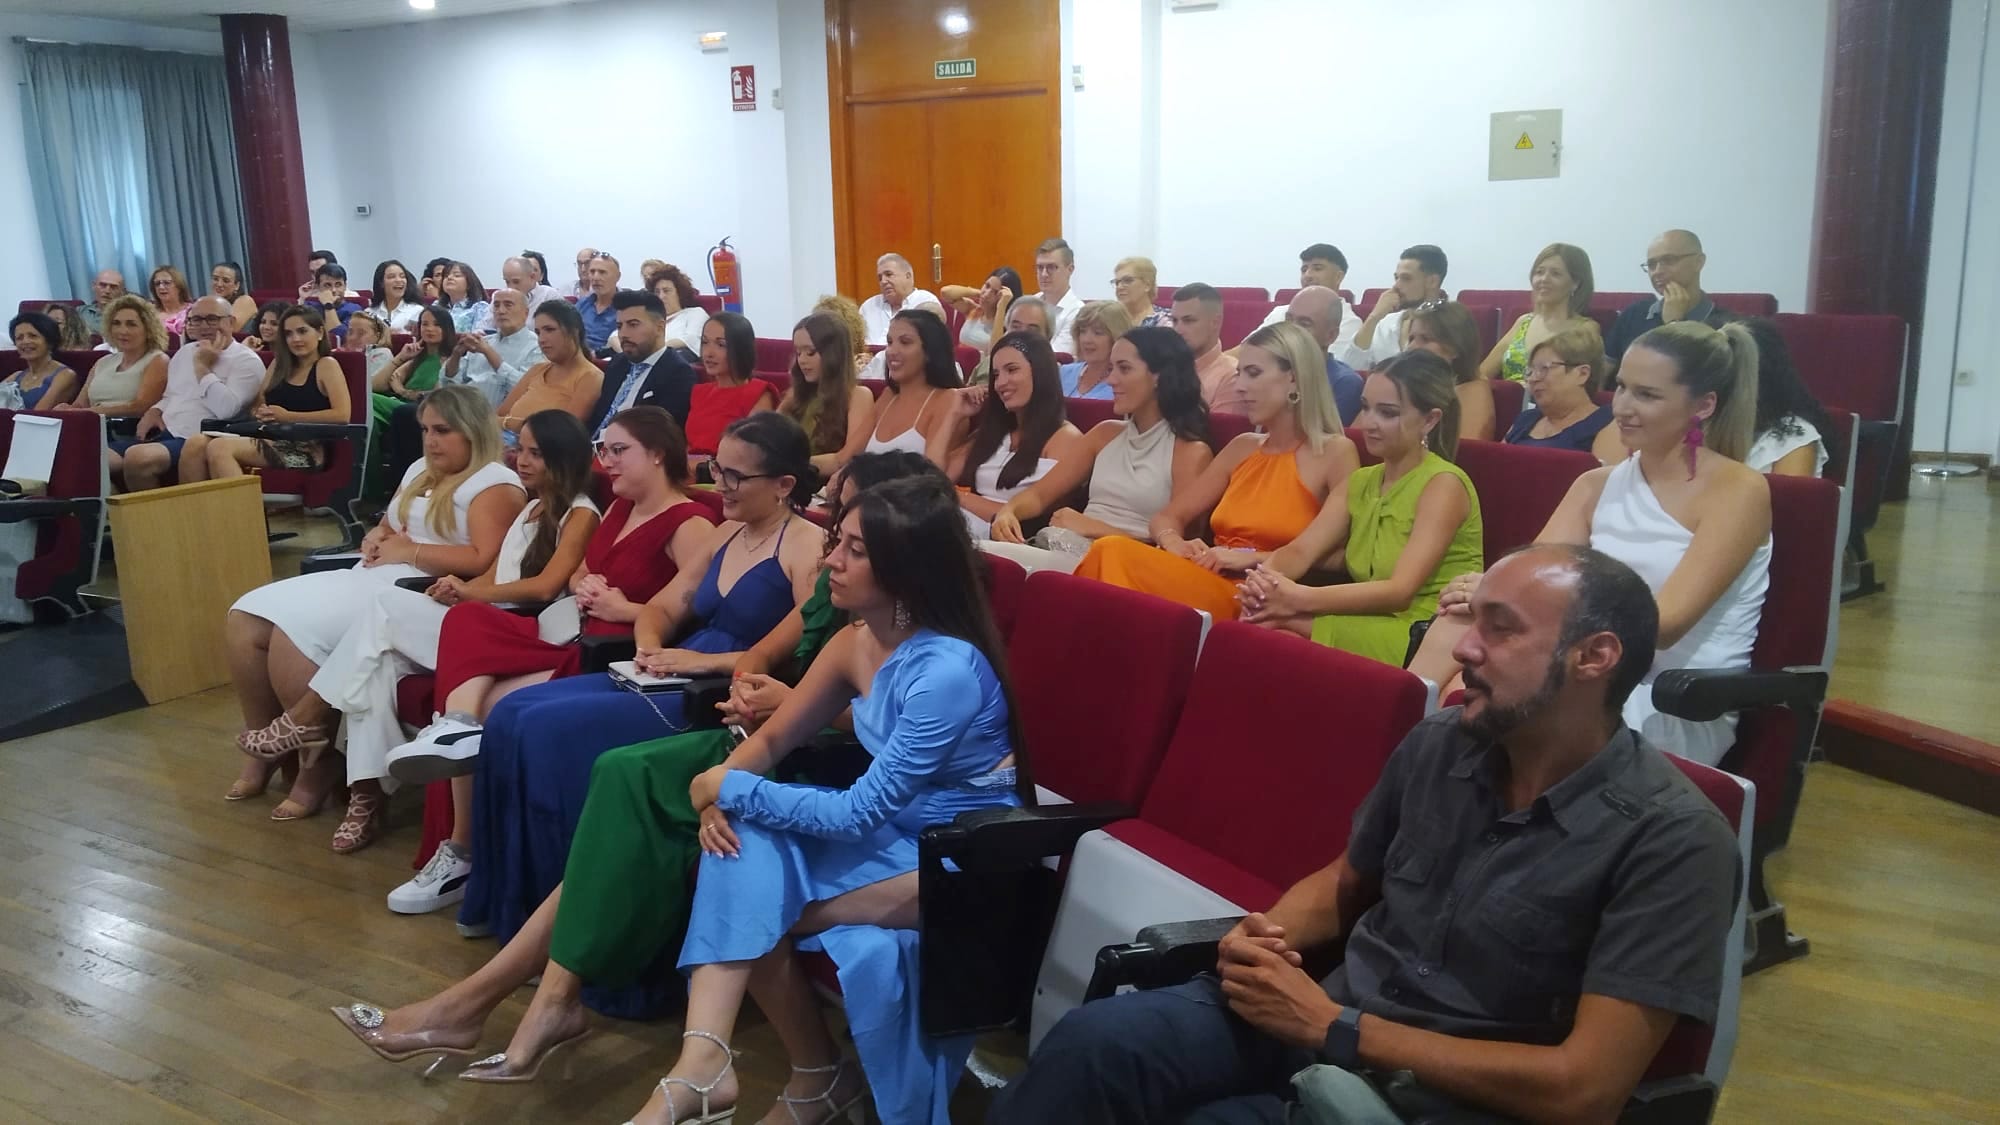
32,456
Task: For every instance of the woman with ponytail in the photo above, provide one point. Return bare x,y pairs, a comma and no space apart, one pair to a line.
1680,507
1403,527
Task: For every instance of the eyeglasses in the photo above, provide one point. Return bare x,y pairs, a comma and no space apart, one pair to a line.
1118,281
206,319
1663,261
1542,370
729,480
612,452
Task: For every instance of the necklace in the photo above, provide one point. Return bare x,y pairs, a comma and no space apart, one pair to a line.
752,547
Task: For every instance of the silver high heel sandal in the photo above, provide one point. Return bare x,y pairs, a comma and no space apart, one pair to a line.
706,1115
851,1109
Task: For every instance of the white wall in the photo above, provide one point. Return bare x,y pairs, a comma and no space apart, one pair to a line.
1976,413
1365,125
663,169
23,271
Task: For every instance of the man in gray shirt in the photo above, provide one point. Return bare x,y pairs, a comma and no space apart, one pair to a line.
1531,897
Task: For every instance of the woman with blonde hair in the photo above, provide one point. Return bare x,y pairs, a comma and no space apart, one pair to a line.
448,517
1097,325
1263,490
849,315
1446,329
835,411
1136,285
1562,381
129,381
1562,283
1404,527
170,292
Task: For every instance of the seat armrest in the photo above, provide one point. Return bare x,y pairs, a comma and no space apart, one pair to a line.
600,653
1163,955
315,564
1008,837
1703,694
420,583
40,508
1418,631
280,431
1686,1100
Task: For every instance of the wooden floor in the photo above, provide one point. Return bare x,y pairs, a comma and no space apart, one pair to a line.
169,957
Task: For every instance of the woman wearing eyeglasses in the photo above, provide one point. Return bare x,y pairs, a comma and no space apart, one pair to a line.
1137,287
1562,376
534,753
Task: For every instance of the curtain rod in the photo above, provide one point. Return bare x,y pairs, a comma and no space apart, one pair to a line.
26,39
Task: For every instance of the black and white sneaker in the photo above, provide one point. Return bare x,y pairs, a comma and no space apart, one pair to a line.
440,884
448,748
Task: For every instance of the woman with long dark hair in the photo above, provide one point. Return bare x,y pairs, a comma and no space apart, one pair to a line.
1132,465
303,384
824,396
728,357
396,303
463,295
918,356
225,280
1008,434
1791,431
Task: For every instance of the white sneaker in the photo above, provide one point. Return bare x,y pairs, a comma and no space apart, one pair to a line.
448,748
440,884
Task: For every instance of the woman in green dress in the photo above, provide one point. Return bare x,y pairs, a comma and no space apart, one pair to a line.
407,378
1401,529
637,831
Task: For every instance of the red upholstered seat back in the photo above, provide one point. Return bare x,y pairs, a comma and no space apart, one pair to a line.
1850,362
1099,673
1791,632
1617,302
709,301
317,486
774,359
1746,304
1225,428
78,361
1244,293
1083,413
1361,447
710,499
1687,1047
1519,488
1509,399
1279,742
1005,579
1241,317
61,543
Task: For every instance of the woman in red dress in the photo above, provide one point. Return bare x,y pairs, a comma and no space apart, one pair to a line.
485,653
728,392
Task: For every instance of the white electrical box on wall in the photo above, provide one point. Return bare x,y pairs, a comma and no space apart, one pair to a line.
1525,145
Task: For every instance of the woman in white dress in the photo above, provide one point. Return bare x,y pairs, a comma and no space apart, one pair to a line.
398,633
1683,510
1132,466
448,518
1005,436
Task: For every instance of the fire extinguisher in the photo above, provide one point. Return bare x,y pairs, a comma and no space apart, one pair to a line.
722,274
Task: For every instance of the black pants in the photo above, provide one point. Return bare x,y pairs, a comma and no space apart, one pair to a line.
403,445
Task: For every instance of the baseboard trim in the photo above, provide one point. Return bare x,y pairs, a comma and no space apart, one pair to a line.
1933,456
1913,754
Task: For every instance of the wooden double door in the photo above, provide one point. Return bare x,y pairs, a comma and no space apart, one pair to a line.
959,174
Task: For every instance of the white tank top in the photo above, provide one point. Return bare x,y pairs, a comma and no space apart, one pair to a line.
909,441
514,545
986,482
487,476
1630,525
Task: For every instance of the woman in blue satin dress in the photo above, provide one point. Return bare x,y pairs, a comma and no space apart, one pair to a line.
789,866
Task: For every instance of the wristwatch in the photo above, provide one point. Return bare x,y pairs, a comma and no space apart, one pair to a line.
1343,1039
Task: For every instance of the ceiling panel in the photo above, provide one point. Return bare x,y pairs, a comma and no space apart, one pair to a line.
316,15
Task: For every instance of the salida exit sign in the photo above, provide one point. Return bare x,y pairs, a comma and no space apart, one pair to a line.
956,68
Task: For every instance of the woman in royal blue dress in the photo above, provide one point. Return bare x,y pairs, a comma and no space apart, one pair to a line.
788,866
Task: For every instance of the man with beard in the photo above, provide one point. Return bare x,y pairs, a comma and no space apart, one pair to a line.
1531,897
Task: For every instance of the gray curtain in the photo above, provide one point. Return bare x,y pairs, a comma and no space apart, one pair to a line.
133,162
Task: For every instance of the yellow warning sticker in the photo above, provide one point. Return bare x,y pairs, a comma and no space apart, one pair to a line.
1524,142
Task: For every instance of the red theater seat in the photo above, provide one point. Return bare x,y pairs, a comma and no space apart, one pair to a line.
774,358
69,517
1509,399
710,302
336,485
1240,318
1746,304
1519,487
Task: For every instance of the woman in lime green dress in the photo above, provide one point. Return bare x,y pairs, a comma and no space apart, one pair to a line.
411,375
1403,528
617,918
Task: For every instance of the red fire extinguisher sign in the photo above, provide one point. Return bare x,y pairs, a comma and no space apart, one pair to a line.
742,88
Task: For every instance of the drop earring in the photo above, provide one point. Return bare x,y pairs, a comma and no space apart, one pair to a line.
902,618
1694,440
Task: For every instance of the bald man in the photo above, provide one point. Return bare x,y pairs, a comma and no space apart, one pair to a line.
583,259
108,286
523,277
214,375
1318,309
1673,264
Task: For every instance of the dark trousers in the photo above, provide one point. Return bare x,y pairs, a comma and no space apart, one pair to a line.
1143,1058
403,445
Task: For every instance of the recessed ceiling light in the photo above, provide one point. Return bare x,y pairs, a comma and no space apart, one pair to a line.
423,5
956,23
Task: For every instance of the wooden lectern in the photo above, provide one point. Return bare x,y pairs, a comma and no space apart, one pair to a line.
185,554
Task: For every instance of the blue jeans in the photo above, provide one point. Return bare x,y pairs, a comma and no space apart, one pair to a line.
1142,1058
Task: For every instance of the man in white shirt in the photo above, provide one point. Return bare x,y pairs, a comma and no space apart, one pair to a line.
212,376
522,276
1054,263
495,362
899,292
1320,264
1419,281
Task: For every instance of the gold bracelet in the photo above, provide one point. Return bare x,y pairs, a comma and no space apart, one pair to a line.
418,562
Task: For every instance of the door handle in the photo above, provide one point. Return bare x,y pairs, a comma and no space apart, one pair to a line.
937,264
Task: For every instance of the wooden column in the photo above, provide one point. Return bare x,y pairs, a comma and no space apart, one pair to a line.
1878,166
270,161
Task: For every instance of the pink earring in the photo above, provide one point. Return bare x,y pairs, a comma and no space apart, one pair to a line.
1695,438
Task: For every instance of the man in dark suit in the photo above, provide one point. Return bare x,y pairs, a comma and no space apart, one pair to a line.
647,372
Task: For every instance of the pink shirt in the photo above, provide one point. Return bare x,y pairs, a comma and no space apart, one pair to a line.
1217,373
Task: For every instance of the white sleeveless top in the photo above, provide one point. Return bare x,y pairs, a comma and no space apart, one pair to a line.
986,482
1771,446
1133,478
514,545
1630,525
469,489
909,441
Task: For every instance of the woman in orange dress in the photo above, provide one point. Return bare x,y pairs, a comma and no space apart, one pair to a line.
1258,494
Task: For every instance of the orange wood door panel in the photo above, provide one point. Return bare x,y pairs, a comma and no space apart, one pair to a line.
892,45
890,191
996,183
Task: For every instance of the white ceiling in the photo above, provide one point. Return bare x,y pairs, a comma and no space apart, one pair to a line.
305,15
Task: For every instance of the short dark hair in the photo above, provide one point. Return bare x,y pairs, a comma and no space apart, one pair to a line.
333,270
323,255
639,299
783,450
42,323
1324,252
1200,291
1610,598
1429,257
